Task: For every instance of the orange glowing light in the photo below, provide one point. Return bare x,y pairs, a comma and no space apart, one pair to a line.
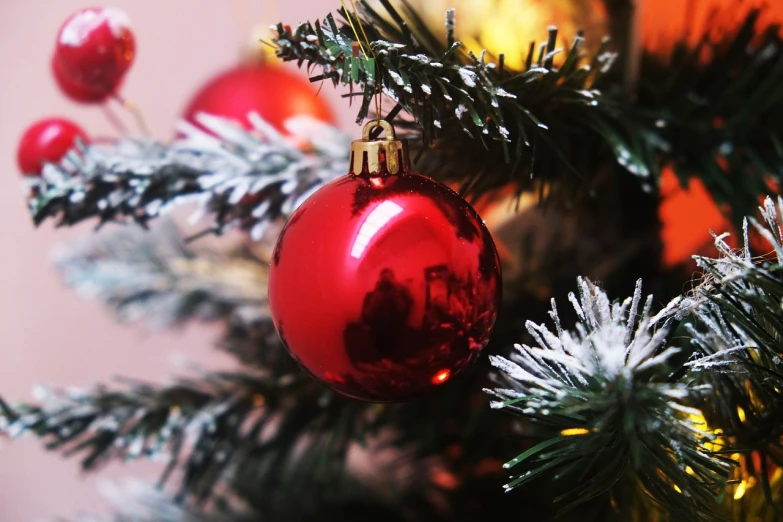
441,377
687,215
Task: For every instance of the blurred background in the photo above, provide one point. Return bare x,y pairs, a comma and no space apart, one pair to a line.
51,335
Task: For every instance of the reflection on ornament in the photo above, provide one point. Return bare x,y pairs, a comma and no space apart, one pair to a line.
379,217
384,286
509,26
441,376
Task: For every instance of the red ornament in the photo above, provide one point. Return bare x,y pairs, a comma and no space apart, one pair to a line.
95,47
272,91
384,284
46,141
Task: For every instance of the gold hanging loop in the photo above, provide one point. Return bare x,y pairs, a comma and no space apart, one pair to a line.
387,155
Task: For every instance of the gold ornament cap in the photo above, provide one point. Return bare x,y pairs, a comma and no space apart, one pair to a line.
379,156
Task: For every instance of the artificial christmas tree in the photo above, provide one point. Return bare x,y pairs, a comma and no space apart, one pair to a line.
621,409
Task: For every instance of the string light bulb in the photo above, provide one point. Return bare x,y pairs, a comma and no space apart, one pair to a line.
508,26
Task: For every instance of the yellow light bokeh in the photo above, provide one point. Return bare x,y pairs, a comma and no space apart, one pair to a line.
509,26
574,431
740,491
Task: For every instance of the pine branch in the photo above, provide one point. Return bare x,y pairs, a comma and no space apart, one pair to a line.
154,275
241,179
480,123
273,442
203,425
737,329
480,118
716,119
615,416
210,430
714,110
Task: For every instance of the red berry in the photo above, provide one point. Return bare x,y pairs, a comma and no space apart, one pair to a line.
80,93
46,141
95,48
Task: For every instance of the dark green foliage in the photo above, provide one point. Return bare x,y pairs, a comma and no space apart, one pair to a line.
737,327
612,418
204,425
710,111
486,125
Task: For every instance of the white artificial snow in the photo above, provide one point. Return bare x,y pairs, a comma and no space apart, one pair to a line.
397,78
468,77
76,30
451,16
610,342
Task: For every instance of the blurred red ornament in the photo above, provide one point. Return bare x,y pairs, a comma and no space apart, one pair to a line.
386,284
46,141
275,93
95,48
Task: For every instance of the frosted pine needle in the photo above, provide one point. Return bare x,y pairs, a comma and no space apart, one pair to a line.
604,393
736,329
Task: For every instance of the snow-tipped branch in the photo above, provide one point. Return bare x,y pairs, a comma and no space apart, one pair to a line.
239,178
154,275
604,393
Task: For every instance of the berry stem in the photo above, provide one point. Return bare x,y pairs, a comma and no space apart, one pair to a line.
136,112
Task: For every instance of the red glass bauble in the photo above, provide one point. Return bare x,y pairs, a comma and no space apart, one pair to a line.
95,47
385,286
46,141
275,93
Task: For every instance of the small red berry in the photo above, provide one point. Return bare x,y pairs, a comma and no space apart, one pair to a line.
78,92
46,141
95,48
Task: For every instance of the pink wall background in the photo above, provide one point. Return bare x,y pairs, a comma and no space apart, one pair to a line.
49,334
